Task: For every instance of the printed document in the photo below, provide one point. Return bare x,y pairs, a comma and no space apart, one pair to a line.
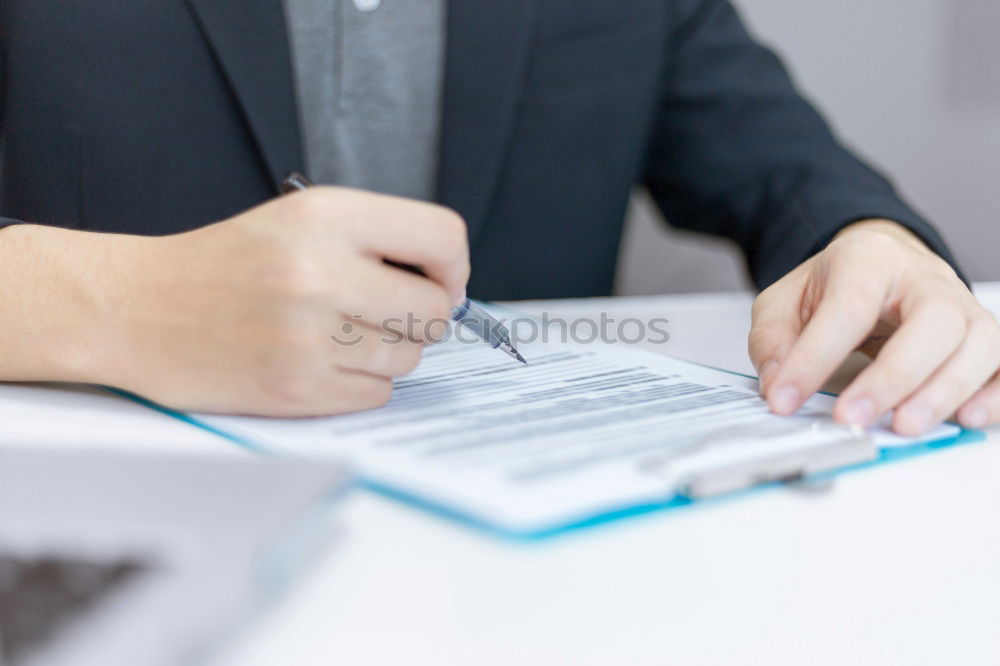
529,447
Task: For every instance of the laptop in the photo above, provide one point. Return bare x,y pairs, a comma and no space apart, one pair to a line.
118,558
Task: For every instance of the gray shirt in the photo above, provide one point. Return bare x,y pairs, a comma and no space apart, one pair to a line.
369,75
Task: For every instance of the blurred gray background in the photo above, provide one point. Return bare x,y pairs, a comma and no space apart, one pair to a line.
913,85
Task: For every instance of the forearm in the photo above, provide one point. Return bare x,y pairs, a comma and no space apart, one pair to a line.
739,153
59,300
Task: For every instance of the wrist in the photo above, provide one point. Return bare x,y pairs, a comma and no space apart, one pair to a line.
887,228
67,298
115,299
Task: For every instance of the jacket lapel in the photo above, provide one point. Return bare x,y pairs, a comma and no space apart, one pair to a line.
250,41
487,55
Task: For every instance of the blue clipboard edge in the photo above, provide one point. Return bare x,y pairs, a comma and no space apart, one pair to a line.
887,455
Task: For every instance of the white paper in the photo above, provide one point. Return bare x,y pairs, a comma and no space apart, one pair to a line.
531,447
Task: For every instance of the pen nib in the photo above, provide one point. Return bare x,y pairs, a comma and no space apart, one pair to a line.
508,349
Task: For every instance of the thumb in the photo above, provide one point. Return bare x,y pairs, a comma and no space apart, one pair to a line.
776,325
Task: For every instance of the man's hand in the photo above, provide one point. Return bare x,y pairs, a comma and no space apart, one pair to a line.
285,310
878,289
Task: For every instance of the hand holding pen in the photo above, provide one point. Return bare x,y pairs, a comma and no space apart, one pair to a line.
236,316
467,314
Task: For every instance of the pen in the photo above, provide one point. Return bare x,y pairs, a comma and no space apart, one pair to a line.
468,314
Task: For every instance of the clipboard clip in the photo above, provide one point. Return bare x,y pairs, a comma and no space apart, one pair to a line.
790,451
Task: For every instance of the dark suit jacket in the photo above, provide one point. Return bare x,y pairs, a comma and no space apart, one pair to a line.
156,116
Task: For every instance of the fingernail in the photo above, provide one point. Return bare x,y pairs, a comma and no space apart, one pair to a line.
916,418
977,417
785,400
767,370
861,412
461,298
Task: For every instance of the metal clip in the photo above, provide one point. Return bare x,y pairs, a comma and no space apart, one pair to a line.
771,451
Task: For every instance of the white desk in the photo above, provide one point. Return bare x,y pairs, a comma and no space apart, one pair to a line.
897,565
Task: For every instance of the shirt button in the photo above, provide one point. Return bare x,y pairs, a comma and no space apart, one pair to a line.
367,5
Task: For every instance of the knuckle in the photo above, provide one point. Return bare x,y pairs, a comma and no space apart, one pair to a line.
856,298
840,301
991,359
298,276
870,292
761,303
951,389
452,221
288,268
409,358
808,362
313,206
761,338
377,392
756,338
985,324
893,379
805,365
949,320
301,210
864,243
377,358
933,266
874,243
454,236
435,306
992,412
464,269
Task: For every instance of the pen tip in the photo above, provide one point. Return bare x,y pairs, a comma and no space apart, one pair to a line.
508,349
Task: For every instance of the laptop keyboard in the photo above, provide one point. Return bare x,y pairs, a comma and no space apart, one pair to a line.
40,595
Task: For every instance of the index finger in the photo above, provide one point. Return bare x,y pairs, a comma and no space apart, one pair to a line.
848,310
775,325
412,233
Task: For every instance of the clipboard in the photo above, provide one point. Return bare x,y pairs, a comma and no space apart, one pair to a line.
845,451
819,479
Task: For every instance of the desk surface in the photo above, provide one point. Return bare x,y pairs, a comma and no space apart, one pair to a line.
896,565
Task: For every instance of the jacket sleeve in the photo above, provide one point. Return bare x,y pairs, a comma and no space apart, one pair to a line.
4,221
737,152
